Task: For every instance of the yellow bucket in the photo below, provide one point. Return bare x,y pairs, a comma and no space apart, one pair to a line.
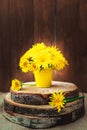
43,78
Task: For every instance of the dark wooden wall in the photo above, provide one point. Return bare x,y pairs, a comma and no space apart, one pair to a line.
59,22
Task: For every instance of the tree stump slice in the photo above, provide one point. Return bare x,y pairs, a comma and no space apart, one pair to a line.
40,110
32,95
43,122
29,106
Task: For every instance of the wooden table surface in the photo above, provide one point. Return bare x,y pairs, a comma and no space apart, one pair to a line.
80,124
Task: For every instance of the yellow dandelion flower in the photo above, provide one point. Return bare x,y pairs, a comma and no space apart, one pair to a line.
39,46
36,49
57,100
24,65
61,62
33,67
42,60
52,54
16,85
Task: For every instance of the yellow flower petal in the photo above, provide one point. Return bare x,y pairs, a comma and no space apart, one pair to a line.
57,100
16,85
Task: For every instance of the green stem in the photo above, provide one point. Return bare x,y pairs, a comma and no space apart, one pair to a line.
73,99
23,84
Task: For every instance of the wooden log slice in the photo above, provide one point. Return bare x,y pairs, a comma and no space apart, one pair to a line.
40,110
43,122
30,94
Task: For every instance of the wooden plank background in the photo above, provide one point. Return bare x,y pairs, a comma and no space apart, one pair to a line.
59,22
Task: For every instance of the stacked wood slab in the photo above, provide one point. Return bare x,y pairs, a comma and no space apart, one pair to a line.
30,106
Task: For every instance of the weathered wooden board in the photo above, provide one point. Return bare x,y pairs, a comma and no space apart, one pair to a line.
21,34
5,47
60,22
44,21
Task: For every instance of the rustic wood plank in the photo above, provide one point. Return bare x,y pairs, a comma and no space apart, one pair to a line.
82,46
21,34
5,51
67,18
44,21
83,15
31,21
67,28
71,38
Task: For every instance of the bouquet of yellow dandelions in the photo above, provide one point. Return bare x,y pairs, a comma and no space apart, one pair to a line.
41,57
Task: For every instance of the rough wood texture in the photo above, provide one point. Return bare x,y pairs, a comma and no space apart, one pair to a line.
44,21
21,34
40,110
37,96
44,122
5,124
5,46
67,28
42,116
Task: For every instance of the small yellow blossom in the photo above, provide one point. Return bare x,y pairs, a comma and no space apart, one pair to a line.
16,85
24,64
57,100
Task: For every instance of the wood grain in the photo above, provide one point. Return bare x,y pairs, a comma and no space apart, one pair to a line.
21,34
5,52
67,14
59,22
44,21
